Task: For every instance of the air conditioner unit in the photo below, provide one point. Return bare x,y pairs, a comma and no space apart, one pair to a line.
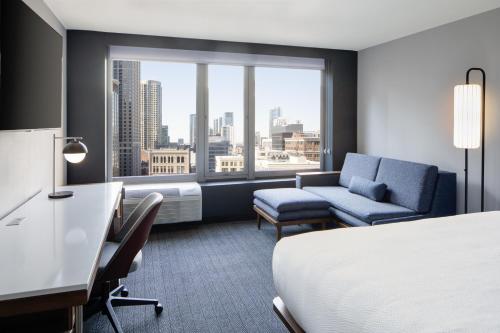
181,201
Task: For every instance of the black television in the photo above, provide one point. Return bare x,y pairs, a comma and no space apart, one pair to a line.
31,69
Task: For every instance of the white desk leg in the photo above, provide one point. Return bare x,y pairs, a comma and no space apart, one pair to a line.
79,319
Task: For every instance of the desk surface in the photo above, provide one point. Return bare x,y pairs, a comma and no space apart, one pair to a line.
56,248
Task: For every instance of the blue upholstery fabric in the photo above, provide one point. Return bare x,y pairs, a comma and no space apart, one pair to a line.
367,188
444,202
358,206
348,219
292,215
358,165
290,199
409,184
402,219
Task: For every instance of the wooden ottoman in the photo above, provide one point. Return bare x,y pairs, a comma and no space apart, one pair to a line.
290,206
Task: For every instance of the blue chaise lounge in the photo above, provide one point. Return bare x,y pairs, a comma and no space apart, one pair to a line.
412,190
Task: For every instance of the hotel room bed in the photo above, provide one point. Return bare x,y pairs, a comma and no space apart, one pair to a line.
435,275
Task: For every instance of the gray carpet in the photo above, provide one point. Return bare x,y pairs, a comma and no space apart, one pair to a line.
209,278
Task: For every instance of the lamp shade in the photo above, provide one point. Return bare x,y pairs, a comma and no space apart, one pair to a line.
75,151
467,116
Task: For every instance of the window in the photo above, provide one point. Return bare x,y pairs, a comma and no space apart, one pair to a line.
225,121
202,119
153,108
287,119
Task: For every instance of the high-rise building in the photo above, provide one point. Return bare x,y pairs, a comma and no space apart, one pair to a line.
227,133
128,74
216,127
192,131
217,146
164,137
273,114
151,114
257,139
228,119
116,125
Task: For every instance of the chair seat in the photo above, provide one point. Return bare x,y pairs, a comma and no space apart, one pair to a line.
109,250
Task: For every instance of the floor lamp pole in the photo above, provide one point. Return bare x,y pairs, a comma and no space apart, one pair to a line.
466,178
483,125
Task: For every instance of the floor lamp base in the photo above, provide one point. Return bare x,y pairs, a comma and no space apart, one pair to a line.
60,195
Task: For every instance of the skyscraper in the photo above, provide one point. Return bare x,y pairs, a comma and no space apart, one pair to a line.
228,119
151,114
192,131
273,114
164,137
227,133
116,126
128,74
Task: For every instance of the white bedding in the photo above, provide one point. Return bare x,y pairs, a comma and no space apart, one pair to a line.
435,275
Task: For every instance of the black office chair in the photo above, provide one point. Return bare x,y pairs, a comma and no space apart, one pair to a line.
121,257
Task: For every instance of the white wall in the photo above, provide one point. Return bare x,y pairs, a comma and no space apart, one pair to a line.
405,99
26,156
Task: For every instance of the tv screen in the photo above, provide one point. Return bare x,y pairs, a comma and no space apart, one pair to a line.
31,69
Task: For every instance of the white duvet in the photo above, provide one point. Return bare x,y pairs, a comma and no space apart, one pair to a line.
435,275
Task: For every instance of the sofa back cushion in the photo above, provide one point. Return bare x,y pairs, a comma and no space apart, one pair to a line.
409,184
367,188
358,165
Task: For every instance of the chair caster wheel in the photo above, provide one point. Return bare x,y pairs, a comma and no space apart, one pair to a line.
158,308
124,292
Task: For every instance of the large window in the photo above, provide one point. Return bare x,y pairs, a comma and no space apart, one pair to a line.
226,151
287,119
180,118
154,117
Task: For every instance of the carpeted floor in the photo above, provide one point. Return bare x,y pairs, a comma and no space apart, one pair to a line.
209,278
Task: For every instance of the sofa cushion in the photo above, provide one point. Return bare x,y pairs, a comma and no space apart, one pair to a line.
367,188
292,215
358,206
358,165
290,199
409,184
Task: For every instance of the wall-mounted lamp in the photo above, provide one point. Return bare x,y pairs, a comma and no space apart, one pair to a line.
74,152
469,121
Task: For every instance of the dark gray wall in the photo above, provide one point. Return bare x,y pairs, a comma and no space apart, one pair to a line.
406,100
226,201
87,52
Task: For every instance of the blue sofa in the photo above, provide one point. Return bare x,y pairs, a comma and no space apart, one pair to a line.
414,191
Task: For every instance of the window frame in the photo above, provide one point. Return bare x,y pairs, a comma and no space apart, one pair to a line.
202,173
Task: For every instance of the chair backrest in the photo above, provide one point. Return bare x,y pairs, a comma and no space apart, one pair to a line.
135,235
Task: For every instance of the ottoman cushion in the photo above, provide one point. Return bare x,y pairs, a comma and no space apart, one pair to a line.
291,199
292,215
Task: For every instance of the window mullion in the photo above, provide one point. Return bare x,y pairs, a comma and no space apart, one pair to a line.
201,122
250,120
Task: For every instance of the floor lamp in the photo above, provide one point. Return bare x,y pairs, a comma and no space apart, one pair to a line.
469,121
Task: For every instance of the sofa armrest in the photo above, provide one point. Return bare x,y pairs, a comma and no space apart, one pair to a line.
320,178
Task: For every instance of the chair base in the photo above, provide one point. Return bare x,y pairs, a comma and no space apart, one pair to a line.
111,300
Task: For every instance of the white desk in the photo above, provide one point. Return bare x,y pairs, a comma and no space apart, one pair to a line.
49,261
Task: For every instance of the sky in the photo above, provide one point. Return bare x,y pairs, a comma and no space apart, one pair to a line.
296,91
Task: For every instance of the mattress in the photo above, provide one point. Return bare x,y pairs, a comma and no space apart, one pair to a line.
433,275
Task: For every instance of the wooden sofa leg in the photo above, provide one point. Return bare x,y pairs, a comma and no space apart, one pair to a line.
259,219
278,232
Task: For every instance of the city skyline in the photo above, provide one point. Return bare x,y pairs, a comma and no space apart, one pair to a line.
297,92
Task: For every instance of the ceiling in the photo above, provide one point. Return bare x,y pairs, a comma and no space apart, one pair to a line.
339,24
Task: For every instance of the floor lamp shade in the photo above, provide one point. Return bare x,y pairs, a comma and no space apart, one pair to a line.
467,116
